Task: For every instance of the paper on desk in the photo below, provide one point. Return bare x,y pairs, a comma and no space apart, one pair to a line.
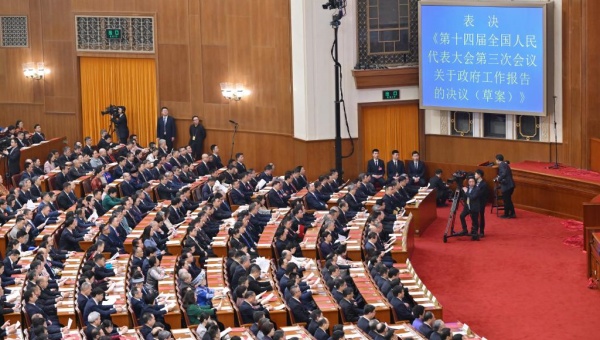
309,276
280,307
263,264
93,216
69,323
30,205
225,332
352,228
260,184
110,301
411,201
268,297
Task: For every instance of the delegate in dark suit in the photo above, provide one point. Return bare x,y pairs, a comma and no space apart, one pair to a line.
350,311
402,311
507,185
92,306
275,200
166,130
165,193
376,167
395,169
247,312
64,201
313,202
299,310
38,137
416,169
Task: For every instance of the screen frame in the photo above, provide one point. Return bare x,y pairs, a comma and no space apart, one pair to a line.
548,53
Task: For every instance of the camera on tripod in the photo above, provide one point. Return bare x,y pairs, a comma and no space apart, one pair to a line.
112,110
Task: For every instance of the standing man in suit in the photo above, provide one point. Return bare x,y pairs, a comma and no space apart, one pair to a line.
197,136
472,208
120,120
37,136
166,127
507,185
395,167
14,157
483,195
239,158
376,167
443,192
416,170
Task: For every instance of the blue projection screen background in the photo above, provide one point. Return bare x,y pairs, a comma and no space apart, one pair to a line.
483,58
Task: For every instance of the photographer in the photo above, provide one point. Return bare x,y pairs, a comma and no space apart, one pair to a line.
120,119
14,157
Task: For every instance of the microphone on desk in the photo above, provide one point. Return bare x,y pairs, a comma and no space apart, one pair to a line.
233,122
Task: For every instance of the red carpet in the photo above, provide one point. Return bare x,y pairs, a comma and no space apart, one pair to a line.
563,171
519,282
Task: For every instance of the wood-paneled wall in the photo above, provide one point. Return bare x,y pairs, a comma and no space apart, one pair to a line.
199,44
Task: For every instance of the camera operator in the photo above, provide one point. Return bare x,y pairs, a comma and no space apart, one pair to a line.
120,120
472,196
507,185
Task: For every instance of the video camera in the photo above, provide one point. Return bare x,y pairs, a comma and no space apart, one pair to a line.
112,110
4,143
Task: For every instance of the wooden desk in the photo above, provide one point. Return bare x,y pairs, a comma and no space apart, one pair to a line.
370,292
215,278
404,244
297,331
79,191
416,288
424,211
265,242
42,149
406,331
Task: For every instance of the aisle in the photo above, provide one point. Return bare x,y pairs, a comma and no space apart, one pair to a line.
519,282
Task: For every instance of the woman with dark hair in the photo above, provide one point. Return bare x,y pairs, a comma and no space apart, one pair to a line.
97,183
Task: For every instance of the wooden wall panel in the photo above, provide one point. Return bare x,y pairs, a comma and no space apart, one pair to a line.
173,73
451,149
387,127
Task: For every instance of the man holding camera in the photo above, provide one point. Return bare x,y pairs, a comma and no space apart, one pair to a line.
120,120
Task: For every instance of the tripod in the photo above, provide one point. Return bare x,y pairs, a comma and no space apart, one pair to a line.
235,128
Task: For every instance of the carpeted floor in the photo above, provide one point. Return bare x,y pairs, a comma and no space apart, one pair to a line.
519,282
563,171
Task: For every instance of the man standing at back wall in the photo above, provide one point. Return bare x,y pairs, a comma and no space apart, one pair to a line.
165,129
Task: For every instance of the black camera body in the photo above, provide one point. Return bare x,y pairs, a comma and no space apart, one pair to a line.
4,143
112,110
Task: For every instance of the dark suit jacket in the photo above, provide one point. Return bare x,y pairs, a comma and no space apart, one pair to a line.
60,179
259,287
418,171
320,334
127,189
376,170
505,177
275,200
247,312
299,310
37,138
14,159
165,193
202,169
64,201
402,311
474,196
121,126
217,161
168,131
395,170
92,306
350,311
314,202
426,330
237,197
68,241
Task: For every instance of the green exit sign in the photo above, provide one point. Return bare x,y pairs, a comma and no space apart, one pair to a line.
391,94
113,33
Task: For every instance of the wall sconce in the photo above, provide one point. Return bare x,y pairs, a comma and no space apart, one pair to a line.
232,92
32,72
